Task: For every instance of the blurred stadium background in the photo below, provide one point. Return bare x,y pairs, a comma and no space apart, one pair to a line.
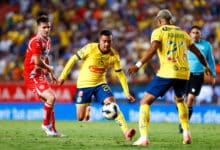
77,22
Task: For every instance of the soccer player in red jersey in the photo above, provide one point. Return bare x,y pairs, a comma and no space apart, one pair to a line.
36,67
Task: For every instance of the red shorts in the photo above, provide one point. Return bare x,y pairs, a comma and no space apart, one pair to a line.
37,85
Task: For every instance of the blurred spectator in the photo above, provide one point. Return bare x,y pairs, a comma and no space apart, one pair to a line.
77,22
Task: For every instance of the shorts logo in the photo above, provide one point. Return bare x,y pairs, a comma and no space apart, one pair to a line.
80,93
79,98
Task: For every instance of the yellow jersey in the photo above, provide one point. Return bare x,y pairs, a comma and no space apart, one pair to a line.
94,67
173,51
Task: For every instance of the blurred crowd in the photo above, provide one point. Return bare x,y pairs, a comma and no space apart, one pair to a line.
77,22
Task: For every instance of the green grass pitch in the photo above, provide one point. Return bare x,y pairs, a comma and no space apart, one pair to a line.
27,135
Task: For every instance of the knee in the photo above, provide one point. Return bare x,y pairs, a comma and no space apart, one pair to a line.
179,99
147,99
51,99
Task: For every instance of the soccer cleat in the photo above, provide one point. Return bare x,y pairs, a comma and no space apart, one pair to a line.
141,142
57,134
129,134
187,138
48,130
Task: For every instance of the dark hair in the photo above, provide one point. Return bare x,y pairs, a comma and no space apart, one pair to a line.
105,32
195,27
42,17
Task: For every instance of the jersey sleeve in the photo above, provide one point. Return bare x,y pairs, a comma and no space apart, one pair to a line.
120,74
188,40
211,60
84,52
116,62
80,54
156,35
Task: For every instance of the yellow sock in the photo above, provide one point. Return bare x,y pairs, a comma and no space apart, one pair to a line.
144,118
120,120
183,115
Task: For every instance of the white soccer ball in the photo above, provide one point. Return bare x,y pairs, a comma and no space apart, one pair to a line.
110,111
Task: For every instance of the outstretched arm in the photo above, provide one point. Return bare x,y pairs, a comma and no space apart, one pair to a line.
67,69
123,81
147,56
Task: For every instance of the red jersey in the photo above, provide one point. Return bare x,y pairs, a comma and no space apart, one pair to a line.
36,46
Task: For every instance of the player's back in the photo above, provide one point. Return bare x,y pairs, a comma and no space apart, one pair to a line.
173,51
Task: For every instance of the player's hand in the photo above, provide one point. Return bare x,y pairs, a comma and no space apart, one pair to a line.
60,81
209,79
132,69
130,98
212,80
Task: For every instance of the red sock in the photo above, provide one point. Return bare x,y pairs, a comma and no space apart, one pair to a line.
53,121
47,113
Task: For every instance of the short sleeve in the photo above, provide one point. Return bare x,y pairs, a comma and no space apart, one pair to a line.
156,35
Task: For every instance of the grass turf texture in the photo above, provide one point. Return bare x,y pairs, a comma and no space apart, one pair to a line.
22,135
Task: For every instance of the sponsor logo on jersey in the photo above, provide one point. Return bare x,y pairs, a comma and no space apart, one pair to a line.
96,69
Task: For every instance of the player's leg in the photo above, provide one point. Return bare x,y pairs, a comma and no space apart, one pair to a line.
190,101
87,115
49,117
40,88
157,87
81,111
193,88
83,100
120,120
104,94
196,81
144,119
179,89
49,100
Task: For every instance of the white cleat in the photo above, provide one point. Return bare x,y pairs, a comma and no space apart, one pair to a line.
187,137
57,134
48,130
141,142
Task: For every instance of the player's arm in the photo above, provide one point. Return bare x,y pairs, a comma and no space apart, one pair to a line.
122,78
51,74
201,58
147,56
68,68
36,47
41,63
211,62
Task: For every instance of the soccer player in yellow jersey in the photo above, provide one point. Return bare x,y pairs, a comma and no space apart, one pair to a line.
171,44
96,59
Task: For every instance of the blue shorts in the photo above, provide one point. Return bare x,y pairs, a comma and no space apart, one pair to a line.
100,93
159,86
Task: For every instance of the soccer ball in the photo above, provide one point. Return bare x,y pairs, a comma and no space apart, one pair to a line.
110,111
